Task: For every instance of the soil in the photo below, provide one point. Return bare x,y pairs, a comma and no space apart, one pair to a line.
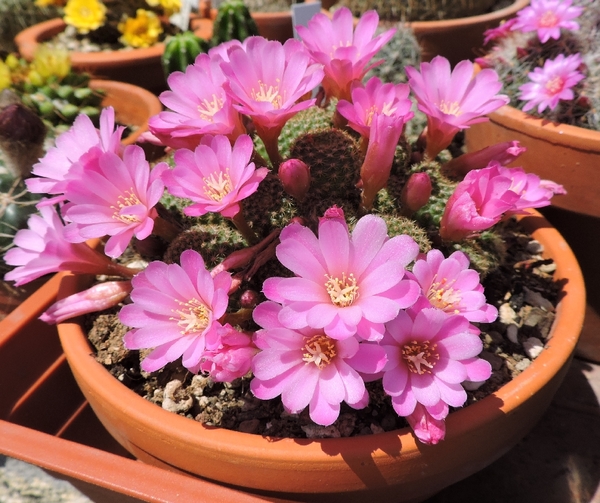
522,288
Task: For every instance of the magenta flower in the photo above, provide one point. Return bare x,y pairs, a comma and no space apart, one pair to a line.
499,32
453,100
175,310
97,298
308,368
42,249
533,192
504,153
215,176
378,112
551,83
449,285
114,197
81,143
429,355
266,80
345,284
477,203
232,358
428,422
294,175
198,105
547,17
344,51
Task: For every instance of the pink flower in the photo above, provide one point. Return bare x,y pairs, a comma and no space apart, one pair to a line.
344,51
504,153
428,423
345,284
499,32
42,249
266,80
477,203
231,359
175,310
81,143
449,285
429,355
416,192
198,105
453,100
97,298
547,17
533,192
215,176
308,368
551,83
295,178
114,197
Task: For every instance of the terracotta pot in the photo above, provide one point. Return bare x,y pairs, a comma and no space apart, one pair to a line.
141,67
388,465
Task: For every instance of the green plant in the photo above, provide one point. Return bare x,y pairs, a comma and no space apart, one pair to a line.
233,22
181,50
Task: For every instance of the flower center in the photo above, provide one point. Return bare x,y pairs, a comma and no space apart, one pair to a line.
320,350
548,19
193,316
126,200
387,109
443,296
343,292
217,185
420,356
207,109
450,108
554,85
268,94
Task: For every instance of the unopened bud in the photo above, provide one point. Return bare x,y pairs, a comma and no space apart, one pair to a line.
504,153
249,299
416,193
295,178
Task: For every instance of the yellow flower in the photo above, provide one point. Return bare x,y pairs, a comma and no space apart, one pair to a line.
5,80
168,6
85,15
49,62
141,31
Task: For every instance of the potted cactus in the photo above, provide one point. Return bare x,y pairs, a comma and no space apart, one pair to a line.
550,72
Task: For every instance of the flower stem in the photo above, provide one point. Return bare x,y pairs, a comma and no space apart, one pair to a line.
240,222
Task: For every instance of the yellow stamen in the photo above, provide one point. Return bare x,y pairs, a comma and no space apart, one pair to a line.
125,201
555,84
268,94
450,108
420,356
192,317
320,350
343,292
548,19
443,296
217,185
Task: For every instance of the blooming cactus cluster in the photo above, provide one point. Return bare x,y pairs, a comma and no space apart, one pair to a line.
345,297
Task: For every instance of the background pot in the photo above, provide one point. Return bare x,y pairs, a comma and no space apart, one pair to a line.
390,464
570,156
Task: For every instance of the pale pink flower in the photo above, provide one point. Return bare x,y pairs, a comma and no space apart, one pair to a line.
429,355
175,310
42,249
504,153
97,298
266,81
114,197
547,17
533,192
551,83
232,358
344,51
345,284
198,105
215,176
449,285
477,203
453,100
308,368
81,143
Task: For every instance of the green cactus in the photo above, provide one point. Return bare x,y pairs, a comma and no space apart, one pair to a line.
16,205
181,50
233,22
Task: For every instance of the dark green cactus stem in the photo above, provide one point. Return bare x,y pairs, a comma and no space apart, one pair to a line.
233,22
181,50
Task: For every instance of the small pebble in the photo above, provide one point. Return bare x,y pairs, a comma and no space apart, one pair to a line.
533,347
522,364
537,300
512,332
506,314
171,403
318,431
495,361
535,247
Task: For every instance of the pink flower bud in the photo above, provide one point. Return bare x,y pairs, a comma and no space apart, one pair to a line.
295,177
504,153
249,299
96,298
416,192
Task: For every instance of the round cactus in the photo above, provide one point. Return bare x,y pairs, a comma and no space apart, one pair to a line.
181,50
233,22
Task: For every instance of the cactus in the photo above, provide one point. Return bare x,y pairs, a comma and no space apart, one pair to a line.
181,50
233,22
16,205
418,10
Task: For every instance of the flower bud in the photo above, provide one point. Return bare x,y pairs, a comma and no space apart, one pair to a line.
295,177
416,193
504,153
249,299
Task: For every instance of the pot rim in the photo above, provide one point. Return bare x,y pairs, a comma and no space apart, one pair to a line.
555,356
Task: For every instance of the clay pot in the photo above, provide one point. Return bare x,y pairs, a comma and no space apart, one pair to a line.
567,155
390,465
141,67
